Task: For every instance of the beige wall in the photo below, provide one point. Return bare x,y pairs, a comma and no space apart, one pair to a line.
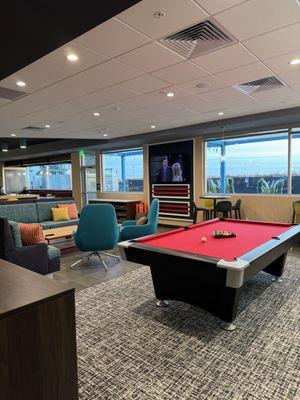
76,179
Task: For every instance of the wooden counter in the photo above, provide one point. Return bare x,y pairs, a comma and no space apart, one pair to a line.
37,337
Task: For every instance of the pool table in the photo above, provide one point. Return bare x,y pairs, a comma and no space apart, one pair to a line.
210,274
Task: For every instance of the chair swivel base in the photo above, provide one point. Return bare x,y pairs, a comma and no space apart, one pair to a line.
98,254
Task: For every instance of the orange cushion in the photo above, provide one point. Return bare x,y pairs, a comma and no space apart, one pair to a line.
72,210
31,234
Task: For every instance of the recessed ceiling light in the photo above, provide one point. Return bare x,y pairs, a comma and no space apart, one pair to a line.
47,126
96,114
170,94
21,83
72,57
13,134
153,126
296,61
23,144
4,147
105,134
220,113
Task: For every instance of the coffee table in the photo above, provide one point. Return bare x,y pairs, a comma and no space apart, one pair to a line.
64,232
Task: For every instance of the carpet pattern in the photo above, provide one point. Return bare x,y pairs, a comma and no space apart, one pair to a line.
130,349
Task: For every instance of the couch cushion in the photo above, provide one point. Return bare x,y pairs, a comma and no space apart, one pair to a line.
19,212
15,230
44,212
31,234
53,224
53,252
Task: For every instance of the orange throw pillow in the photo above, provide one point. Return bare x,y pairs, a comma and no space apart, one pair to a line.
31,234
72,210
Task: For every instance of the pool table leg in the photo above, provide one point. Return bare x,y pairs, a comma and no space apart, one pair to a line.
277,279
162,303
276,268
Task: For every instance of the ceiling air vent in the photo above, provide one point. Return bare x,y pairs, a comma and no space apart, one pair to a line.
33,128
260,85
198,39
10,94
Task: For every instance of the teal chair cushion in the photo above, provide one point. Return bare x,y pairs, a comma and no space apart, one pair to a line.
15,230
19,212
98,228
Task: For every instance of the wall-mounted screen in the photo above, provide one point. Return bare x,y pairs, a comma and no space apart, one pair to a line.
171,162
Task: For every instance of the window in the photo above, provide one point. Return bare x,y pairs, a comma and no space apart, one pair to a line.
52,176
88,158
123,171
257,164
295,161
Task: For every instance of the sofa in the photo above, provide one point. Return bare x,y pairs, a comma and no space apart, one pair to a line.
38,258
35,212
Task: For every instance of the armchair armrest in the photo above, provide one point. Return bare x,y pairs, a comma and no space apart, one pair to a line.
130,222
136,231
34,257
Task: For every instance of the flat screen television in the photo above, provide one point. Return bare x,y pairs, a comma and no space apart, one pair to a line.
171,163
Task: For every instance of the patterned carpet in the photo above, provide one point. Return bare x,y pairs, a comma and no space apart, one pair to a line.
130,349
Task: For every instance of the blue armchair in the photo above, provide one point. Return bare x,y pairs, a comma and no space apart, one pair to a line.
97,231
129,229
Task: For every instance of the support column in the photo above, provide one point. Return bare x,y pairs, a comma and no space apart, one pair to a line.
76,179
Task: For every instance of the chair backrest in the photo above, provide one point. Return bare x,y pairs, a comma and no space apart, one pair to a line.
223,206
296,207
98,228
153,212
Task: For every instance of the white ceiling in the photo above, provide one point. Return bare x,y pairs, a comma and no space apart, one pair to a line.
124,72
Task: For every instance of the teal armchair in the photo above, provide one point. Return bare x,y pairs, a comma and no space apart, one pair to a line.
97,231
129,230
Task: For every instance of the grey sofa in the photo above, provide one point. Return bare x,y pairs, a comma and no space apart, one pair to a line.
39,258
37,212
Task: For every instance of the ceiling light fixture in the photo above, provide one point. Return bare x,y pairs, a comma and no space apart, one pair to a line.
296,61
23,144
153,126
47,126
4,147
105,134
13,134
220,113
170,94
21,83
72,57
96,114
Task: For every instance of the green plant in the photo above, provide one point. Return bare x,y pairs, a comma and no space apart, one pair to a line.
212,186
229,185
270,187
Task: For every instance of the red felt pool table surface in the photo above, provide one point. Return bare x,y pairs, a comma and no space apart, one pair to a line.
249,235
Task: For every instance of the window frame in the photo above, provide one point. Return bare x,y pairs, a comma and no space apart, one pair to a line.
102,171
289,132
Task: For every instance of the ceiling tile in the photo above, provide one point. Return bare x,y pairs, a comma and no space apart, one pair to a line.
226,58
112,38
216,6
111,72
102,97
150,57
181,72
223,94
255,17
245,74
206,84
282,94
291,78
144,84
281,63
44,71
281,41
178,15
87,58
31,85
